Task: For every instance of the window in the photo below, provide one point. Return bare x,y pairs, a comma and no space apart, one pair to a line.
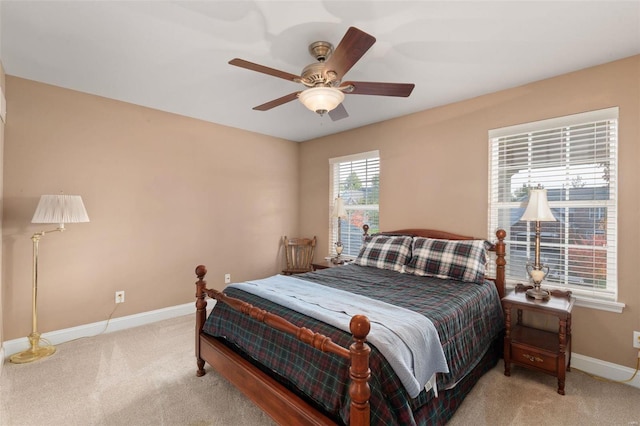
575,159
356,178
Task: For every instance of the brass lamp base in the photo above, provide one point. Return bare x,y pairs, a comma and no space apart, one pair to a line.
34,353
339,247
538,293
537,273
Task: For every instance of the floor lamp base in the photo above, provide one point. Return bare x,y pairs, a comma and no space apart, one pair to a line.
34,353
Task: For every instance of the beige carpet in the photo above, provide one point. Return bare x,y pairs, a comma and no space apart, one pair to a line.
141,376
529,398
146,376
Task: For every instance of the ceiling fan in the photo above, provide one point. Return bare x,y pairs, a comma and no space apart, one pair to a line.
325,89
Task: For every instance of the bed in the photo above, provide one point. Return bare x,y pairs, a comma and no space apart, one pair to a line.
301,370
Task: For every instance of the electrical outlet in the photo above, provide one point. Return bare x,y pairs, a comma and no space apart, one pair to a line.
636,339
227,278
120,296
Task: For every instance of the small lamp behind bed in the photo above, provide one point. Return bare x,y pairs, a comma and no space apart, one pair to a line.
341,213
538,210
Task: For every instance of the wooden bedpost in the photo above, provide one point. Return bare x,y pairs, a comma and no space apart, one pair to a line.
201,314
500,262
359,389
270,395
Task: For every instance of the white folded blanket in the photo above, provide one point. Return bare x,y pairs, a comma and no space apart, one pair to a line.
408,340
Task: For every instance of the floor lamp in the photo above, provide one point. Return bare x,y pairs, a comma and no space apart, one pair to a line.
538,211
340,213
58,209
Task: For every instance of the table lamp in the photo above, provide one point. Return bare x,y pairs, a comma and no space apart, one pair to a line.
340,213
538,211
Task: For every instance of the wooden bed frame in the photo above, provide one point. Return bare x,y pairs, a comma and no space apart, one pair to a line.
283,405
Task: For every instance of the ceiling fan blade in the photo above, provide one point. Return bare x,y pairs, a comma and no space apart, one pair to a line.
277,102
353,45
380,89
338,113
265,70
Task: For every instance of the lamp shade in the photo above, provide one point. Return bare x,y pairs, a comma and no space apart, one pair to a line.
60,209
338,209
321,99
538,207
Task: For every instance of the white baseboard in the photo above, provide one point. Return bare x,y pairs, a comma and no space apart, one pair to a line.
11,347
604,369
587,364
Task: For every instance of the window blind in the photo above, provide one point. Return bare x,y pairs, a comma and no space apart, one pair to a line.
356,178
575,159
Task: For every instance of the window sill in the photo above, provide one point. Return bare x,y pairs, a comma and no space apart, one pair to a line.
591,303
603,305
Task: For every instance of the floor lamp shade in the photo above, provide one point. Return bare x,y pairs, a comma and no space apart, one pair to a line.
60,209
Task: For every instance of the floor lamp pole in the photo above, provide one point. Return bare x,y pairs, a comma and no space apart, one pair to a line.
35,352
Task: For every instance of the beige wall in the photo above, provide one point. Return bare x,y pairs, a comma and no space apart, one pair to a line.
163,192
434,171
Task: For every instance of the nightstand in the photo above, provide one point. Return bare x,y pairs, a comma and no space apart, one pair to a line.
324,264
540,350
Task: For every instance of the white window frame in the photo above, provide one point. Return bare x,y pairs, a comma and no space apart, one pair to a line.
499,209
351,250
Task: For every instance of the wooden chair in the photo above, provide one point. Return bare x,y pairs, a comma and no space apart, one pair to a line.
299,255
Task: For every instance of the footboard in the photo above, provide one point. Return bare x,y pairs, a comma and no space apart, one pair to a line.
270,395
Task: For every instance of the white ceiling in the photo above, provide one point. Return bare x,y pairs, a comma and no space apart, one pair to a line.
173,56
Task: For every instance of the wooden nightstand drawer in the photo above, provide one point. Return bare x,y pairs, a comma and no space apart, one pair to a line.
534,358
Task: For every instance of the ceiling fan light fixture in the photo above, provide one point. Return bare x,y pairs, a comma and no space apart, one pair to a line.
321,99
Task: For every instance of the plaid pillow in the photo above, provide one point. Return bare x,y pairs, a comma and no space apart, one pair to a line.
463,260
385,252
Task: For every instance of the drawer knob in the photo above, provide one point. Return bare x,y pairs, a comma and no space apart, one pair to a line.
533,358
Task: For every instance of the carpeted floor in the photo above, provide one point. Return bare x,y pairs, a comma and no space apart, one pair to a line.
530,398
141,376
146,376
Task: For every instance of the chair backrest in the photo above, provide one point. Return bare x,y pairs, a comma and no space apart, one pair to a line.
299,254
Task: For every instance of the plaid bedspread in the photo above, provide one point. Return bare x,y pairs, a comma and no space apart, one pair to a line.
468,318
